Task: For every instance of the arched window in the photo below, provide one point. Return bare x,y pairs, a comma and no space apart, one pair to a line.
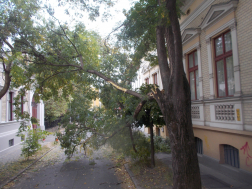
199,145
231,156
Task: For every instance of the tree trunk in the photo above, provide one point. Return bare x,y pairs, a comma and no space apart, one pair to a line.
175,104
152,145
132,139
7,80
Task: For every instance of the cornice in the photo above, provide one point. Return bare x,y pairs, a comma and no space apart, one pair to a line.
226,25
217,12
189,34
195,13
187,4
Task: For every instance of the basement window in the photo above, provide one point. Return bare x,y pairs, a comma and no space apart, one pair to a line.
199,145
231,155
11,142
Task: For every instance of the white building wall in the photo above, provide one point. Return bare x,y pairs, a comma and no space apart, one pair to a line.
8,129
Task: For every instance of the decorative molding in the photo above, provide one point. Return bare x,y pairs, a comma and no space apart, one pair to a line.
200,79
3,134
191,48
218,11
224,26
211,97
145,69
203,6
233,26
234,100
238,93
195,112
208,40
189,34
237,68
211,76
225,112
187,4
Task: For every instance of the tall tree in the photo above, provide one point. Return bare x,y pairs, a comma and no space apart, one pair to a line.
156,22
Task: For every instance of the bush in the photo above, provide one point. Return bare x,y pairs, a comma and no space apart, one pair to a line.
121,143
142,147
161,144
31,144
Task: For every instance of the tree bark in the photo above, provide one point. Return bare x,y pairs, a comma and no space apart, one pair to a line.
132,139
152,145
7,80
175,104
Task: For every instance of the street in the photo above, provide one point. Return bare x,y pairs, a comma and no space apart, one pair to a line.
55,171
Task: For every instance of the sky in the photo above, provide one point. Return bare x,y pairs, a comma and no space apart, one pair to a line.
102,27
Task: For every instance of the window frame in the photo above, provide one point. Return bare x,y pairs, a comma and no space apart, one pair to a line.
10,106
193,69
223,57
146,81
11,142
154,76
22,104
231,156
198,145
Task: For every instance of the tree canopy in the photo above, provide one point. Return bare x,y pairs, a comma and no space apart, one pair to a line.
57,60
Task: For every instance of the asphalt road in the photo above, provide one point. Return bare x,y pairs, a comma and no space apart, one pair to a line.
55,171
75,174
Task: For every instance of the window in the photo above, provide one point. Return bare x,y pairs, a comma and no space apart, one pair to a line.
22,104
193,75
231,155
10,108
157,132
199,145
155,78
11,142
224,65
147,81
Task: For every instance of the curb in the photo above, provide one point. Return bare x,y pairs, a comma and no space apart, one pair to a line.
134,180
13,178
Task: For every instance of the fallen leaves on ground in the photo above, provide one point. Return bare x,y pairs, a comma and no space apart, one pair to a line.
11,169
158,177
119,168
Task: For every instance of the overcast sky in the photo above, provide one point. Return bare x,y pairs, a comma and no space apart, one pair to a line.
102,27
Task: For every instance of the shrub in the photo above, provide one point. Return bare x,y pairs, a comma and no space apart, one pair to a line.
31,144
161,144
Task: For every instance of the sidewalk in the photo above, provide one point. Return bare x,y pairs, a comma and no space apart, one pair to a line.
14,153
210,177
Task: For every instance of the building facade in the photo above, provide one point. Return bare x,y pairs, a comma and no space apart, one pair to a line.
216,37
217,58
150,75
8,124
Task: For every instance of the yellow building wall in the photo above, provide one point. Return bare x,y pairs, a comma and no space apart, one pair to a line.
191,43
163,131
212,138
192,8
